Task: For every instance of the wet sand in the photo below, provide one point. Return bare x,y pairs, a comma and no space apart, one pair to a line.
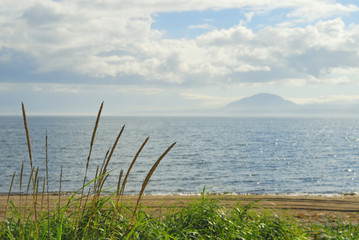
303,208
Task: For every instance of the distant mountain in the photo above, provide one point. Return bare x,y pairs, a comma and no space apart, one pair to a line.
262,101
268,105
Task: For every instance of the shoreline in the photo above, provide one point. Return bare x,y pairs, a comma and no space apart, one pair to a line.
70,193
305,208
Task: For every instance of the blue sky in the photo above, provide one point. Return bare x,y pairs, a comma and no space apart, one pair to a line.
66,57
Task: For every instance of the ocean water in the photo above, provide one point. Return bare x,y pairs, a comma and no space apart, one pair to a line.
225,155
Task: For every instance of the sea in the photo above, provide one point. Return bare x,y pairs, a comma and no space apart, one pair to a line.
236,155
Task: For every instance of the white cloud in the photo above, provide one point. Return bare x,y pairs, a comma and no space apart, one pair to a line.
326,99
308,10
201,26
139,90
236,35
64,89
74,89
321,9
114,39
4,87
208,101
48,87
249,16
250,68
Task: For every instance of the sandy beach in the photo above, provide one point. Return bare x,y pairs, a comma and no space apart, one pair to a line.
303,208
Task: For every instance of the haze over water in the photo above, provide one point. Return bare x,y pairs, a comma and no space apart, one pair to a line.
236,155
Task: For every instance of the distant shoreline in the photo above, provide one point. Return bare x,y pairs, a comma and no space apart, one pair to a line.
69,193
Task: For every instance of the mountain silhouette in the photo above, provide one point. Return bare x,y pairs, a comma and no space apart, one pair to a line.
262,101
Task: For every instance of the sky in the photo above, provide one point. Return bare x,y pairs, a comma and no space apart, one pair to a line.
65,57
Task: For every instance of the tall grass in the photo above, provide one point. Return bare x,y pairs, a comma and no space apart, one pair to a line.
93,215
81,213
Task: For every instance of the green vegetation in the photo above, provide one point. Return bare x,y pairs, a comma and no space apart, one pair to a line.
204,218
93,216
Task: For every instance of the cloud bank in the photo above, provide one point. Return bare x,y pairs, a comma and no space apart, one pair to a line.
114,42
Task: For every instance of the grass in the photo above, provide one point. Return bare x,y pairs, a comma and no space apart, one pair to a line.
91,215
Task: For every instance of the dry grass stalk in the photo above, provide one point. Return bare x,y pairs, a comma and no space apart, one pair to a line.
28,145
113,149
102,183
27,133
100,174
85,204
91,212
86,201
8,196
91,144
34,194
122,190
103,177
104,162
37,183
96,182
28,187
96,196
47,188
145,182
60,186
43,194
103,171
119,183
117,201
132,163
87,166
21,174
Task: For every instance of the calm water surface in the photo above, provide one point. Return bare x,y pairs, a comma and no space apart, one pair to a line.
236,155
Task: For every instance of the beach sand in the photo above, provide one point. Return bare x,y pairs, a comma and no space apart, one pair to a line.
321,209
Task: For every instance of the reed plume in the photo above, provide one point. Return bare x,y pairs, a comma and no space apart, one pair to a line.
145,182
106,162
27,132
132,163
113,149
91,145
